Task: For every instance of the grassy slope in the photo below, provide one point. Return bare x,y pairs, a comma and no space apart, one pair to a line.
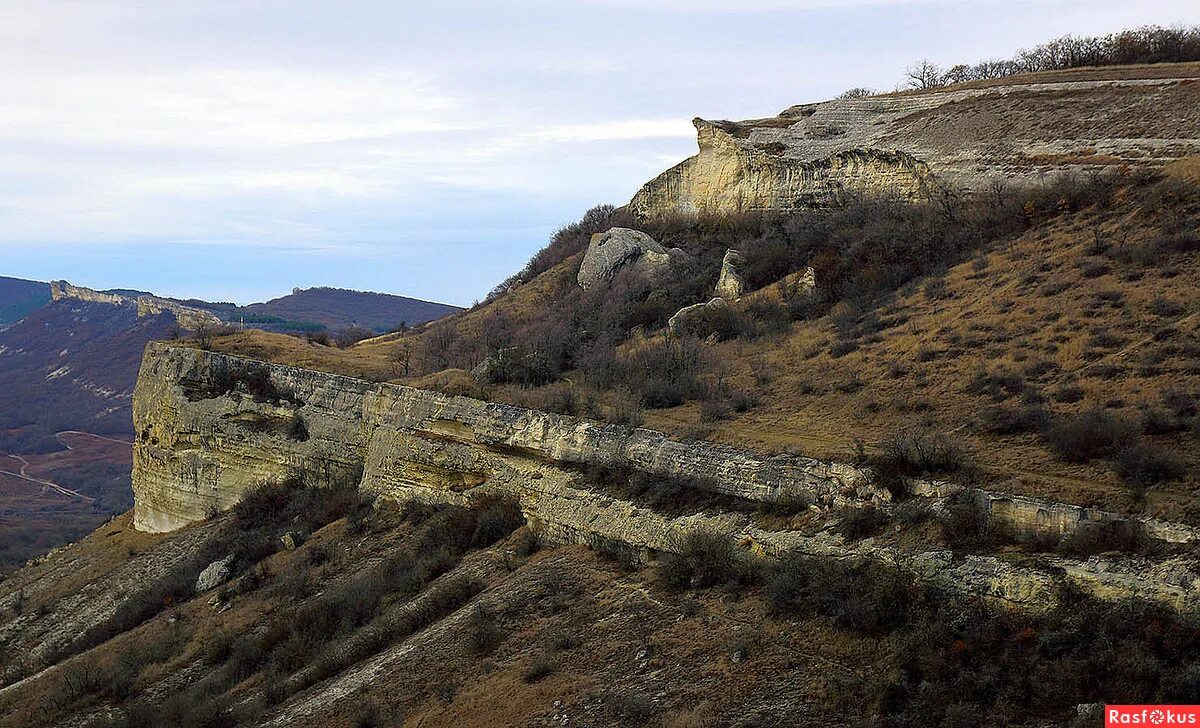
1048,296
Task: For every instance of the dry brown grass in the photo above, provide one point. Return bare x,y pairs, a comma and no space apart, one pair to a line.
1066,308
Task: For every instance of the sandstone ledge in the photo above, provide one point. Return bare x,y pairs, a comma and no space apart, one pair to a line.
210,427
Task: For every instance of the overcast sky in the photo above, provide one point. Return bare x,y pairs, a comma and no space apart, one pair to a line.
233,150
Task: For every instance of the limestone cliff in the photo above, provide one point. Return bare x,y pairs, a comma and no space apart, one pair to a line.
188,317
909,144
210,427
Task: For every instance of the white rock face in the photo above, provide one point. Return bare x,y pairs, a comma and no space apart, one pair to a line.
202,444
730,284
912,144
215,574
610,251
694,318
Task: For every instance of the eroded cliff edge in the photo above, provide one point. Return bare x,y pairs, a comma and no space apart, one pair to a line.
211,427
961,138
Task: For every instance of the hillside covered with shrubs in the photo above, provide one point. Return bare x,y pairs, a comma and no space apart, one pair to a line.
1014,323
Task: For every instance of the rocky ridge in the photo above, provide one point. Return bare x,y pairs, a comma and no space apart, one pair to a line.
210,427
147,305
961,138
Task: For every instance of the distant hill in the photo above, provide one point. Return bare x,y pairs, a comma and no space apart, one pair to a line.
67,372
71,364
19,297
338,308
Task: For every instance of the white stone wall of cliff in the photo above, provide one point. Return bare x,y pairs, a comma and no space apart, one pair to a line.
203,442
728,175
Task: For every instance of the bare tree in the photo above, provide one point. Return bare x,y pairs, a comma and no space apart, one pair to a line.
924,75
858,92
204,335
401,360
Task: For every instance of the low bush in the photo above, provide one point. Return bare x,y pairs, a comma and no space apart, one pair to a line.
912,454
1010,420
538,670
1089,435
483,633
866,597
998,384
1142,465
1089,539
704,560
858,523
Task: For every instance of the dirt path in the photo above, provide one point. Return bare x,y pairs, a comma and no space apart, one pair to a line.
50,485
59,436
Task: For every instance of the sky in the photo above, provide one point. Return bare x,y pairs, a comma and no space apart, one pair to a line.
234,150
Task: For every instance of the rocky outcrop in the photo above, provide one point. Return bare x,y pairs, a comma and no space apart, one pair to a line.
616,248
911,144
188,317
730,283
215,574
731,175
62,289
211,427
697,318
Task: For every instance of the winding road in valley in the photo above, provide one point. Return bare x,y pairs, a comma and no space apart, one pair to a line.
49,484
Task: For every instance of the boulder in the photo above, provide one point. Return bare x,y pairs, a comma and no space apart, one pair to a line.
695,317
730,284
610,251
291,540
801,283
215,574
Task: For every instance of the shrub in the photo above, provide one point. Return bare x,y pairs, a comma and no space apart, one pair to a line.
1068,393
626,409
841,348
1142,465
999,384
538,670
348,337
965,525
866,597
910,454
1090,538
1183,404
1165,307
1091,434
366,715
1008,420
1158,421
483,633
858,523
495,518
704,560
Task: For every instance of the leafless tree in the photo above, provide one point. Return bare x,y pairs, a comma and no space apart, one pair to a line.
401,360
924,74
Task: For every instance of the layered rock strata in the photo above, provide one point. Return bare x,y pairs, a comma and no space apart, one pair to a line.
210,427
188,317
911,144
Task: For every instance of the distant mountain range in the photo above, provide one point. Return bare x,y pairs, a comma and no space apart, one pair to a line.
332,308
19,297
69,357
